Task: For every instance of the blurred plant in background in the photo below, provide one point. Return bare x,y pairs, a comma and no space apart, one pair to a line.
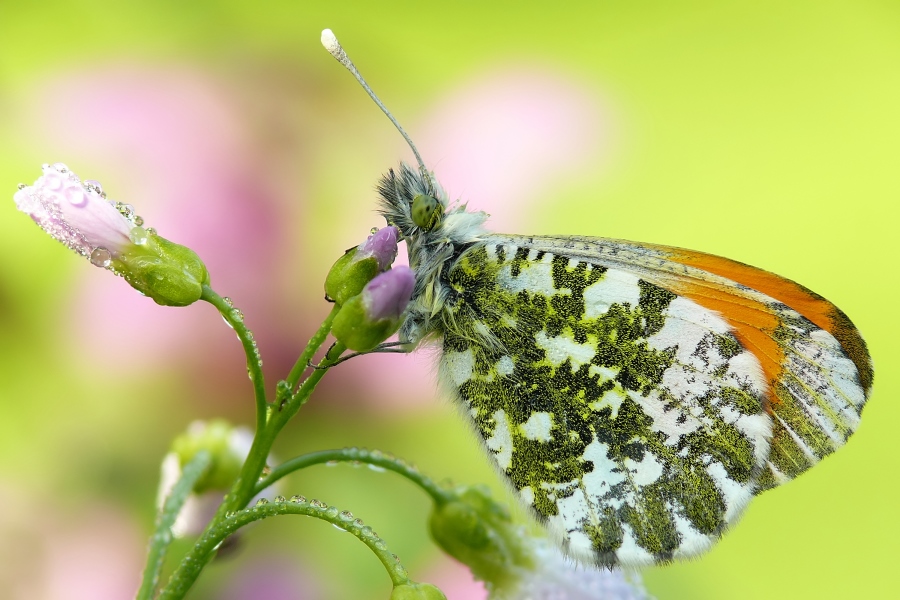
224,124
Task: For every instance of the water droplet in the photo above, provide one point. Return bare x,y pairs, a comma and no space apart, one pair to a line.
261,502
367,532
101,257
298,499
338,527
76,196
126,210
401,572
332,463
376,454
379,544
358,523
61,167
21,186
279,499
332,512
138,235
346,515
396,558
93,184
229,514
227,322
138,220
238,316
373,231
228,302
376,468
151,231
267,470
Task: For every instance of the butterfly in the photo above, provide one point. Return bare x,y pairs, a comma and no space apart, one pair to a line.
636,397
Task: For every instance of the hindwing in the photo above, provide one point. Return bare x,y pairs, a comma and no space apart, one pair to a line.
638,396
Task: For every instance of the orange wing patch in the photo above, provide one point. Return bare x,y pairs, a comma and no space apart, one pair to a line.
814,307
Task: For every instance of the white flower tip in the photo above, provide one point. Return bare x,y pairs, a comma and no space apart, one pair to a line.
331,42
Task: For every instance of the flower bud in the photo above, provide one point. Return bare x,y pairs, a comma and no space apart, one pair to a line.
478,531
228,446
111,236
360,265
417,591
369,318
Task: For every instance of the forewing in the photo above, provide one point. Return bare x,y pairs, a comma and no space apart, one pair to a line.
629,411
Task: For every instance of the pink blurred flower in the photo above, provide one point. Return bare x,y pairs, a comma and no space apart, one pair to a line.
181,145
500,142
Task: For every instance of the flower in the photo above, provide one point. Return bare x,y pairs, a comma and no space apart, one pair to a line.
111,236
369,318
229,447
479,532
78,214
358,266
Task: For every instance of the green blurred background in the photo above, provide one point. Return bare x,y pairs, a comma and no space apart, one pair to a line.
768,132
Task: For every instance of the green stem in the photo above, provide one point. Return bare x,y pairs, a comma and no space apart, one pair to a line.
315,343
254,365
242,489
162,537
194,561
357,455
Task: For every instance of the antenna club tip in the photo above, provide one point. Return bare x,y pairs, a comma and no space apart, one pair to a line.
330,41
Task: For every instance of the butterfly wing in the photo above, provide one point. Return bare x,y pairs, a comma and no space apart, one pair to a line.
638,396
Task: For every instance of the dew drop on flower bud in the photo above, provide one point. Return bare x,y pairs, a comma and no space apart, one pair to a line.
138,235
76,196
101,257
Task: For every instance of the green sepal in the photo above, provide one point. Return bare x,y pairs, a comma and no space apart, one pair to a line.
478,532
214,438
417,591
348,276
353,328
169,273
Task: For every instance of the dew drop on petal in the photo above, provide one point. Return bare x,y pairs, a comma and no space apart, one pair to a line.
138,235
76,196
138,220
101,257
61,167
373,231
21,186
94,184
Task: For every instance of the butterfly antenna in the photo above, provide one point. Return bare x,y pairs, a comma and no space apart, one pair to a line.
334,48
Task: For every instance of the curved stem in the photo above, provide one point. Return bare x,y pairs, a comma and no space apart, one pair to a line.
315,342
358,455
162,537
194,561
254,365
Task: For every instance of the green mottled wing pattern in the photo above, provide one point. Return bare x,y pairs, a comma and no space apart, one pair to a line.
629,418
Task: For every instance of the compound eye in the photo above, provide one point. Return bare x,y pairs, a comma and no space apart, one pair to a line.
426,212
